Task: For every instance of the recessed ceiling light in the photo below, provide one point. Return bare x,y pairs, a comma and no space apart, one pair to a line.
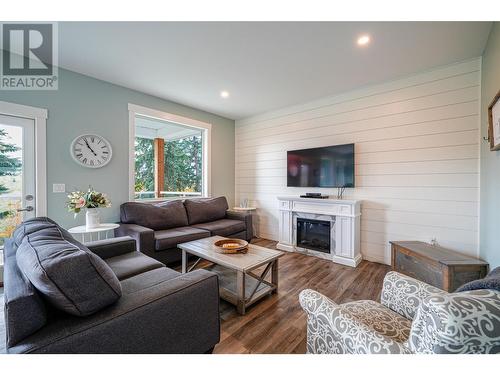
363,40
224,94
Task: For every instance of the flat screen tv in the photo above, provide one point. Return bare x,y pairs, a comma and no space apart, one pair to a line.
326,167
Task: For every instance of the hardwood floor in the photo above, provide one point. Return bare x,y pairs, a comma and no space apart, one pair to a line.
277,323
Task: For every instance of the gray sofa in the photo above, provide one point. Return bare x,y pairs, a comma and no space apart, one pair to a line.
159,227
105,297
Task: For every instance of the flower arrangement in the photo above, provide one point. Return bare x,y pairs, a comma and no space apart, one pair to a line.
90,199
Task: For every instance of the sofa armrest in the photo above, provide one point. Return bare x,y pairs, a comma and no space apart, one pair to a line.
180,315
404,294
112,247
242,216
331,328
144,237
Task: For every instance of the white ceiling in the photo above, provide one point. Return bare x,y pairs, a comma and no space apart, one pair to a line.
151,128
264,66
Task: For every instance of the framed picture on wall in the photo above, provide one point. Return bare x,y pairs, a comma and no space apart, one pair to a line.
494,123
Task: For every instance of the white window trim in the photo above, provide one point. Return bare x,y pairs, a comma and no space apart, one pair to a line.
137,110
39,116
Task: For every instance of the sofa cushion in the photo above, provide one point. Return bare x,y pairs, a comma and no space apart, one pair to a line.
159,216
25,311
30,226
170,238
360,327
203,210
148,279
69,275
131,264
223,227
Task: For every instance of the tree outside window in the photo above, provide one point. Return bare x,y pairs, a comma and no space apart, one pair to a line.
144,165
182,164
183,167
10,185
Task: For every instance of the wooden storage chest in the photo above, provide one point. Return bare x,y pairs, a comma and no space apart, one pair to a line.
435,265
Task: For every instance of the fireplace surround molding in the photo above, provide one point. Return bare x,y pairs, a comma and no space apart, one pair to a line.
344,216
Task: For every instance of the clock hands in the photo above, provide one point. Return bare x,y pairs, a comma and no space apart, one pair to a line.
90,148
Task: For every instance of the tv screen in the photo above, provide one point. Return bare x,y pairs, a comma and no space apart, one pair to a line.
326,167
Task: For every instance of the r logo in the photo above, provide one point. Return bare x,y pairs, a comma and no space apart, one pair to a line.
28,49
29,56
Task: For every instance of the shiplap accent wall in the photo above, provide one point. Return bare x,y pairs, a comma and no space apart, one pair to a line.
417,157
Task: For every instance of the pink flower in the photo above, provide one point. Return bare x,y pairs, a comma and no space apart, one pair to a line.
80,203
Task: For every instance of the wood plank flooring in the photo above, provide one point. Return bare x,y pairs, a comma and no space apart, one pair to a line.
277,323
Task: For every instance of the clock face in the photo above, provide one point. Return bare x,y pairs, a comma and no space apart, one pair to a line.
91,151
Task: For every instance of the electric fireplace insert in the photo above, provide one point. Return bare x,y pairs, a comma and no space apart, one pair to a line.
314,234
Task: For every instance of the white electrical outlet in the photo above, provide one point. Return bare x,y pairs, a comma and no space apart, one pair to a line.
58,188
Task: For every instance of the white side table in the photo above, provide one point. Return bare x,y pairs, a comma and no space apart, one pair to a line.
253,211
88,235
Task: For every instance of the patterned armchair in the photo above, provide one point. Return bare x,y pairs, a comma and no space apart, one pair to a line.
413,317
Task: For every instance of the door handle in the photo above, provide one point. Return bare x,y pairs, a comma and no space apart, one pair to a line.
28,208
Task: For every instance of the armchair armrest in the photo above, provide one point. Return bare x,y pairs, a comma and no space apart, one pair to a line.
333,328
179,315
144,237
112,247
404,294
458,323
245,217
313,303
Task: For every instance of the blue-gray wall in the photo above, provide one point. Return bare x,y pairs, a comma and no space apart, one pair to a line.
83,104
490,160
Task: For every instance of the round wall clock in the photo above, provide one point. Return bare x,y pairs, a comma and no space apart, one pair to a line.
90,150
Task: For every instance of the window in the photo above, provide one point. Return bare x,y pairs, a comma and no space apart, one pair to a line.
169,157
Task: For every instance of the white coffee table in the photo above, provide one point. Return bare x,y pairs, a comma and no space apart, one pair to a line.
238,283
88,235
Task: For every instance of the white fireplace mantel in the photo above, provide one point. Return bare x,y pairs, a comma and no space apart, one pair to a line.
342,213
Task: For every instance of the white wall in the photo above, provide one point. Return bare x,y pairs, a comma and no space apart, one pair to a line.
85,105
490,160
417,157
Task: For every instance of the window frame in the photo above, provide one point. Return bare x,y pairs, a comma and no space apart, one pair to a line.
206,128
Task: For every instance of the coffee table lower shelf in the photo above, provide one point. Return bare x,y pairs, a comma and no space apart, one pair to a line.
231,288
241,281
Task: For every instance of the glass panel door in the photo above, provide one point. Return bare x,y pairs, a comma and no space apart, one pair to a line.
17,173
313,234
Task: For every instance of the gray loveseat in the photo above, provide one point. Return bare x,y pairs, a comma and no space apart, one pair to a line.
158,228
105,297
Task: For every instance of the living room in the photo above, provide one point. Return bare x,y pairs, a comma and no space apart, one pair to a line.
250,187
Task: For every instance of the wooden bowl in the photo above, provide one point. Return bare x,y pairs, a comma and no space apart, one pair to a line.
231,246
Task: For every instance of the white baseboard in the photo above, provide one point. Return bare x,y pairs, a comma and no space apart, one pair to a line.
346,261
284,247
376,259
336,259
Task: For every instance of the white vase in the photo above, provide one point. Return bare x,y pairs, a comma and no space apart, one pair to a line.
92,219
